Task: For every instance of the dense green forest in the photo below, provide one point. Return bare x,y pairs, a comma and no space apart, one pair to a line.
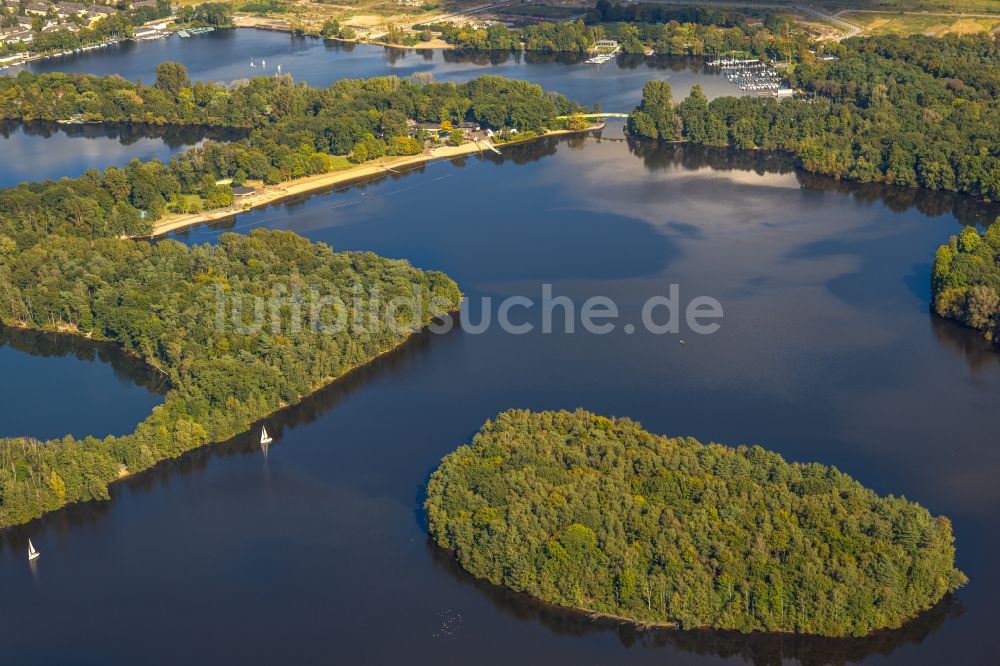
293,131
966,280
597,514
917,111
161,302
338,113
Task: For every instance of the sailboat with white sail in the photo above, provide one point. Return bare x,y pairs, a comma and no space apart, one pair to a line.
32,552
265,438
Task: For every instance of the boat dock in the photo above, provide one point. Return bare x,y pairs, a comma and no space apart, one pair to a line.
190,32
486,144
600,59
605,51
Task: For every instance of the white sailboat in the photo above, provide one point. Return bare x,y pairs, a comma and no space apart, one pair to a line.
263,63
252,66
265,439
32,553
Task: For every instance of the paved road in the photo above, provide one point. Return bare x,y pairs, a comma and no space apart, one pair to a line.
850,28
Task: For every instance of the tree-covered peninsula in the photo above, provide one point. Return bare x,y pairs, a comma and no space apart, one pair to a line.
597,514
919,111
195,314
966,280
293,131
238,330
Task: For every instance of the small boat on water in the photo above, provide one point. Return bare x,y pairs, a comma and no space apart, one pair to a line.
265,439
32,553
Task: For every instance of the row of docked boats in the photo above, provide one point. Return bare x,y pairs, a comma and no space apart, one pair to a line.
190,32
751,75
82,49
600,59
139,36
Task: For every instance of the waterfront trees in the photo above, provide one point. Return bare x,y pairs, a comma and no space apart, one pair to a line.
598,514
966,280
661,29
292,131
162,303
654,117
919,111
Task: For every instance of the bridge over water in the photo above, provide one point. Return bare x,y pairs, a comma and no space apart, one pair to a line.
593,115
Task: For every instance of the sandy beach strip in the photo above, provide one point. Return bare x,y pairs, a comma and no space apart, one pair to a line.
272,193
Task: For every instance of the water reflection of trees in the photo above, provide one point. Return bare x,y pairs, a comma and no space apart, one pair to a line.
757,648
126,134
48,345
979,353
658,156
337,45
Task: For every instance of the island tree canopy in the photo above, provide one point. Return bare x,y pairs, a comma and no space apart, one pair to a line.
966,280
598,514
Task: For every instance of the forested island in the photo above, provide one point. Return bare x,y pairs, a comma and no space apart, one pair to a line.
293,131
966,280
597,514
918,111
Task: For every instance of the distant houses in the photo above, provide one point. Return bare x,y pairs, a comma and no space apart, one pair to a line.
68,9
56,17
37,9
16,35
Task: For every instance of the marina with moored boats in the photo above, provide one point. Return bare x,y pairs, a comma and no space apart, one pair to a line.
750,74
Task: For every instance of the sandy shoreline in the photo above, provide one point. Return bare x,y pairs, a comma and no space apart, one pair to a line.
273,193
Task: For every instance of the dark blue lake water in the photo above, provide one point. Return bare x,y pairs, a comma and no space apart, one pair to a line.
317,553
